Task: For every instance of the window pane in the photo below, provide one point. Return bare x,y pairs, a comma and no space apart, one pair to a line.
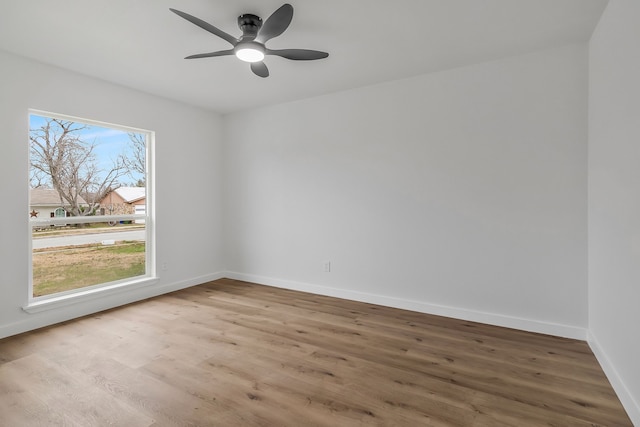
88,206
70,257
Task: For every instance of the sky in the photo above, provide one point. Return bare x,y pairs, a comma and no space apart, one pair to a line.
109,143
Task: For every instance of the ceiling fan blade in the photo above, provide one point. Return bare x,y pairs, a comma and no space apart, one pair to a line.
211,54
260,69
276,24
206,26
298,54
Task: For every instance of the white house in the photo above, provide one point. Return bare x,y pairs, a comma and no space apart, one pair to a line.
47,203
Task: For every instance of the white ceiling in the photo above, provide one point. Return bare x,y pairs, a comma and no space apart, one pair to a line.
140,44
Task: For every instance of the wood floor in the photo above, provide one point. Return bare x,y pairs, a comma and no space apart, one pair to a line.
231,353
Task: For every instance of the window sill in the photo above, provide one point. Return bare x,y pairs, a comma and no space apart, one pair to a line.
54,302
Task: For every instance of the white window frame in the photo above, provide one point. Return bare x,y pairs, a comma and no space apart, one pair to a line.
61,299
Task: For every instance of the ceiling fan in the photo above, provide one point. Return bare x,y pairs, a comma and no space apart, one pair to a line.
250,47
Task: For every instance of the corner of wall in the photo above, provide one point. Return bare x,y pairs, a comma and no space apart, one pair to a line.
630,405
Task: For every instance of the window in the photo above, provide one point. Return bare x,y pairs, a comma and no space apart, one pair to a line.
90,209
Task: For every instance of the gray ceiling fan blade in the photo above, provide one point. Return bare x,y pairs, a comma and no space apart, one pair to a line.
276,24
298,54
206,26
260,69
211,54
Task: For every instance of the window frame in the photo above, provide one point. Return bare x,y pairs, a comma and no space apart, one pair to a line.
59,299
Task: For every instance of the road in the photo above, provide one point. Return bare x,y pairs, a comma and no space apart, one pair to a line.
87,239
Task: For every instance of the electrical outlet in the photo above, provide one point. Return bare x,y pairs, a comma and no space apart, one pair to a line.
164,266
327,267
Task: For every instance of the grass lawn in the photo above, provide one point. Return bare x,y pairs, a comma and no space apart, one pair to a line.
72,268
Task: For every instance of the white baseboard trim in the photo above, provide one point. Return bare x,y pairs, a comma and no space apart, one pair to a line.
630,404
71,311
560,330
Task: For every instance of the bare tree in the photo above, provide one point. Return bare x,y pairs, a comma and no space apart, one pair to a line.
136,163
38,179
61,159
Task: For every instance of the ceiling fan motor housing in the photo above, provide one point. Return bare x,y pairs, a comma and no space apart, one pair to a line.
249,24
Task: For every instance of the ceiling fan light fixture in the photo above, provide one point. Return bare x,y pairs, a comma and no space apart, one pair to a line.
249,52
250,47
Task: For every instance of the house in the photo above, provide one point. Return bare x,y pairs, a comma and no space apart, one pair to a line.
47,203
501,186
124,201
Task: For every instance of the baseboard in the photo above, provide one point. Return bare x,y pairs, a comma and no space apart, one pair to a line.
53,316
560,330
630,404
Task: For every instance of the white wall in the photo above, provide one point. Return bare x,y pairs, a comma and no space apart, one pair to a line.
187,165
614,199
460,193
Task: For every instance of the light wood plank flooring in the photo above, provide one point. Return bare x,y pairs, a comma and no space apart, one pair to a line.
230,353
